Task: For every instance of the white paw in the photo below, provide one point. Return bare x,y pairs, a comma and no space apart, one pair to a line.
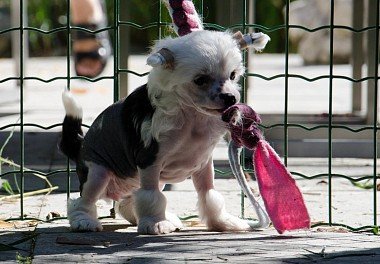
227,222
81,221
82,216
174,220
147,225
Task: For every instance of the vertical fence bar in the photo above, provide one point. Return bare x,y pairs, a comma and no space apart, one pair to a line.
22,154
244,99
286,83
375,115
371,64
16,12
331,68
244,29
116,90
201,8
372,94
68,43
116,68
68,83
159,20
123,14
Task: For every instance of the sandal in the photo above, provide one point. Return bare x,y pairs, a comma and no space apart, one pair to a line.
99,54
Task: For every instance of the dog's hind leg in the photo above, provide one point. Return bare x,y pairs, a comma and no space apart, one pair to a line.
211,205
125,209
81,212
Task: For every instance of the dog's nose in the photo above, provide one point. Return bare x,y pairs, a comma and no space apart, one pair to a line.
228,98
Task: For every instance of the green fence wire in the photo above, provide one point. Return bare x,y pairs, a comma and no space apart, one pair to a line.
244,26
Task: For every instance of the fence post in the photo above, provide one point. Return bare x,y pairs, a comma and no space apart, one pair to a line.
371,64
357,54
15,22
124,42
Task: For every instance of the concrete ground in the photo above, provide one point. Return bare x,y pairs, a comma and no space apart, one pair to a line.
119,242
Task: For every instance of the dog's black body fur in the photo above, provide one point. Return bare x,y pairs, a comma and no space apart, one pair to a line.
134,110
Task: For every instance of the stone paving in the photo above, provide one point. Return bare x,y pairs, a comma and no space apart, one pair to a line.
120,243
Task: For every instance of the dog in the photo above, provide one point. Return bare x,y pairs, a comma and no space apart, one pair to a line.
163,132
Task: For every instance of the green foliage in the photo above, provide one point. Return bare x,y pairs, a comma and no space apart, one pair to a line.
368,184
22,259
46,15
51,14
376,230
11,246
4,183
7,187
270,14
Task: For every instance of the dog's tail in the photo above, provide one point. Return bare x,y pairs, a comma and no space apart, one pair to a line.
72,134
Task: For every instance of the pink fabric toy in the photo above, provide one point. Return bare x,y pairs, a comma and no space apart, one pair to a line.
184,16
282,198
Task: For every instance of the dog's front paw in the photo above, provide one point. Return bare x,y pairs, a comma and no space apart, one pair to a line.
82,216
81,221
147,226
227,222
174,220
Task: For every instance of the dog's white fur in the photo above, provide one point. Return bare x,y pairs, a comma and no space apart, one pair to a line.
187,125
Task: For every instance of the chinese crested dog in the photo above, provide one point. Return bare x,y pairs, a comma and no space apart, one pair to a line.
163,132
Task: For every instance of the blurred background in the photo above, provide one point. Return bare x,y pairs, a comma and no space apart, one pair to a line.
51,14
301,85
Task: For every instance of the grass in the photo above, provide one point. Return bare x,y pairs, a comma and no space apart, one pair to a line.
13,190
4,183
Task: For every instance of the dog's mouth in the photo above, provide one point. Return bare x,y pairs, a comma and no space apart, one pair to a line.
221,111
224,108
216,111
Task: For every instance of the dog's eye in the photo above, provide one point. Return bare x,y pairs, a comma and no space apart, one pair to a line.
232,75
201,80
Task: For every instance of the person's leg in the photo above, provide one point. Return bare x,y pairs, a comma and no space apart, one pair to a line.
90,50
86,11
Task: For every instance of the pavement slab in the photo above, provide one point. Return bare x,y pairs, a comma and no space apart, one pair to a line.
120,243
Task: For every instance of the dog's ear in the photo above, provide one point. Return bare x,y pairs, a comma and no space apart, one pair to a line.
257,40
164,57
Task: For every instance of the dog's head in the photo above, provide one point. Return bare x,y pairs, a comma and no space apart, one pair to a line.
200,70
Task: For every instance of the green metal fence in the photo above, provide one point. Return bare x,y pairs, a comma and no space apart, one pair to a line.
120,25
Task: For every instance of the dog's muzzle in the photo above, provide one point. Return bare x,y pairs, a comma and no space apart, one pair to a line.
228,99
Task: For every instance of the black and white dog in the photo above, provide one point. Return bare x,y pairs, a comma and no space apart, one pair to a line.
164,132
